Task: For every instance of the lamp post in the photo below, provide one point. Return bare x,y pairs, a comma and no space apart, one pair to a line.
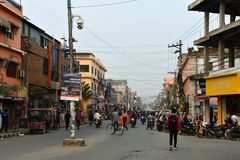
73,141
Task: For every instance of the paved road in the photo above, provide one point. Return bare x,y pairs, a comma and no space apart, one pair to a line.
135,144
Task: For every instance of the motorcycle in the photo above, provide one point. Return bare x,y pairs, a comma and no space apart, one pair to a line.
189,128
150,123
161,125
133,122
143,119
98,123
215,130
233,133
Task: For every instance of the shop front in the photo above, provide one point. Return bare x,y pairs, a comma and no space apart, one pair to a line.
226,87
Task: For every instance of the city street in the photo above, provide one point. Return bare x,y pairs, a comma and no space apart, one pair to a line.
136,143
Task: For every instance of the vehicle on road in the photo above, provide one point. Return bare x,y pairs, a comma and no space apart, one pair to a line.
39,119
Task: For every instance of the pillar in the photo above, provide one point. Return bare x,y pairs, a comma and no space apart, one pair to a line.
221,45
231,57
219,110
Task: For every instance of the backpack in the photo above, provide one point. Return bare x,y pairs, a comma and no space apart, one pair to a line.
173,122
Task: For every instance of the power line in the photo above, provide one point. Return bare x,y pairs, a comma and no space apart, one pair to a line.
106,4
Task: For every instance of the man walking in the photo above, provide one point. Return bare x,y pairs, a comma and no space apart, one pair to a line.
67,119
174,126
5,120
115,118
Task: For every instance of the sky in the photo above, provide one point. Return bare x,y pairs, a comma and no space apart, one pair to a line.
130,37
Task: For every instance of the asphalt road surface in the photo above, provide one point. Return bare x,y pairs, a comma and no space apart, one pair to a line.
135,144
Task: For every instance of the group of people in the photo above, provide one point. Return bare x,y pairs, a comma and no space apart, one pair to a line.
67,118
4,120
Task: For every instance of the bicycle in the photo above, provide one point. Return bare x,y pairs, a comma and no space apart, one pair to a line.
119,129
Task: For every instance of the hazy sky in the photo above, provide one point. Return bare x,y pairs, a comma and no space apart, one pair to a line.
131,39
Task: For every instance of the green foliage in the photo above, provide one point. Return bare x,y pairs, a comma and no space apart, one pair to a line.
86,91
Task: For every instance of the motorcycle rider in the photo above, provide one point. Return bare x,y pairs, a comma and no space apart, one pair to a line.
97,116
150,118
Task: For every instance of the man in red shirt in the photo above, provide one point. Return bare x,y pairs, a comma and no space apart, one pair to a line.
174,126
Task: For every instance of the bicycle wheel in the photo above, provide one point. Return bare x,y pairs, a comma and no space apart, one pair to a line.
120,129
110,128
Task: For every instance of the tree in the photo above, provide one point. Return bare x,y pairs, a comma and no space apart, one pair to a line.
86,91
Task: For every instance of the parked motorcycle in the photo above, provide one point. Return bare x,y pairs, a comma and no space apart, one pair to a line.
161,125
188,128
233,133
215,130
143,119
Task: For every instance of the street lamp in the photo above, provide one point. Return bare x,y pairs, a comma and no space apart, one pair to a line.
73,141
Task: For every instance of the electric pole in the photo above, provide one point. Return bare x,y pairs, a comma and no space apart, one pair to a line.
179,77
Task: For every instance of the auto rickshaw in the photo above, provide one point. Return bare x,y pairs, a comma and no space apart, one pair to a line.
39,119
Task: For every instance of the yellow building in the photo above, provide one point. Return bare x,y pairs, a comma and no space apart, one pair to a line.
93,73
225,85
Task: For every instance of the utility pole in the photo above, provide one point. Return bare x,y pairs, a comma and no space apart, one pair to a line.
180,83
72,141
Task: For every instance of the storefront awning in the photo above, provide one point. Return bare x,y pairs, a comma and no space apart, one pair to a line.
5,23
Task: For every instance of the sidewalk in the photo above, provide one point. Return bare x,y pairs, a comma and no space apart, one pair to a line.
13,132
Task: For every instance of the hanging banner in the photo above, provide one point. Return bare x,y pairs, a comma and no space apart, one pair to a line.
70,90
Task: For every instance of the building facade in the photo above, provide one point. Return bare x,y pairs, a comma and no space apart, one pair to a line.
45,62
93,73
12,91
222,84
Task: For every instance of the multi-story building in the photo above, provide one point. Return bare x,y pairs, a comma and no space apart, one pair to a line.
225,83
93,73
12,96
121,89
45,61
193,79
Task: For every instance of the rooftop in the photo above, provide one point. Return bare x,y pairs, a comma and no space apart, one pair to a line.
232,6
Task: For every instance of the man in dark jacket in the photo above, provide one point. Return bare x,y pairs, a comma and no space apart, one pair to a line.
5,120
174,126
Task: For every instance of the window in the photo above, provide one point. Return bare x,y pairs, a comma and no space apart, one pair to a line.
95,72
84,68
92,70
10,32
43,42
12,69
45,66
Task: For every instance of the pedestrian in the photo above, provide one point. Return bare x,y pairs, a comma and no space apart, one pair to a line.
78,119
90,117
174,126
115,118
5,120
67,119
0,120
125,118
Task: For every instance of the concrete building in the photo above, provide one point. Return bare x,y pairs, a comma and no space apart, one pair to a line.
121,89
12,91
193,79
224,83
93,73
45,62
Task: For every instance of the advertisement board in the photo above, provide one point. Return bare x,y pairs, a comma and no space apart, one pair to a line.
70,90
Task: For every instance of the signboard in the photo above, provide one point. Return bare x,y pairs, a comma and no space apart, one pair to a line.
70,90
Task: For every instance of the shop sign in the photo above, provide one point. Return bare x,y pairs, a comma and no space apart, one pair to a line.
223,85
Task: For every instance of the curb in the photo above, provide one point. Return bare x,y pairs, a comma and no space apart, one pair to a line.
7,135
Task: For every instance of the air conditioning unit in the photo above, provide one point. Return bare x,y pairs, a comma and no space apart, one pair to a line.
21,73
